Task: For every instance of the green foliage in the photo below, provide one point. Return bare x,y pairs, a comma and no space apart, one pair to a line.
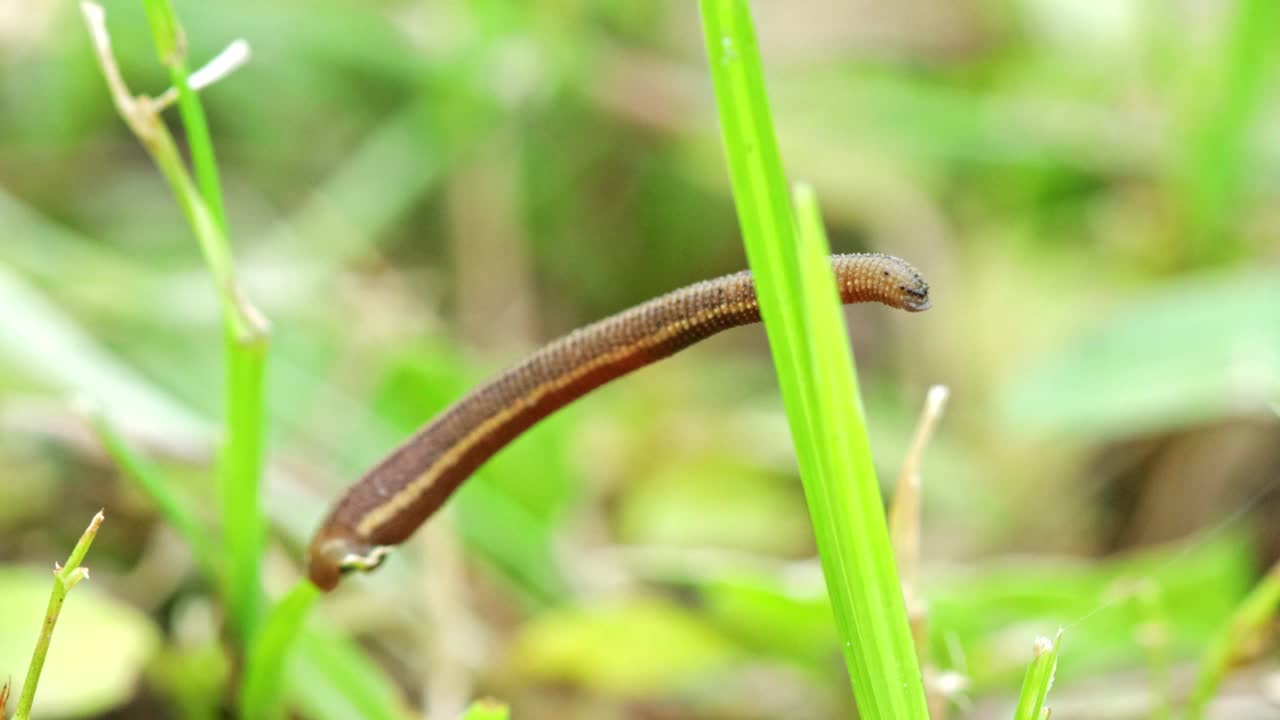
1195,351
262,692
330,678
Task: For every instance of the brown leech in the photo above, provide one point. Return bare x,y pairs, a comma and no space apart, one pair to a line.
399,493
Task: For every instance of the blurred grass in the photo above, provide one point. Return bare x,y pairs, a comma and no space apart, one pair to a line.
262,692
176,510
1223,106
1233,642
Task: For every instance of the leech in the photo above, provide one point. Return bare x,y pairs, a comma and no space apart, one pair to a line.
399,493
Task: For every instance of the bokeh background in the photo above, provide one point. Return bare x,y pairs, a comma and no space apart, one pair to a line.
420,192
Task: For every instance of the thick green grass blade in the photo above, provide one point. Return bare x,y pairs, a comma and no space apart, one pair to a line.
1039,678
262,692
802,317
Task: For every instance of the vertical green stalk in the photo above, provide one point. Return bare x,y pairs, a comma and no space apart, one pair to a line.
261,695
802,317
64,578
244,342
171,46
239,478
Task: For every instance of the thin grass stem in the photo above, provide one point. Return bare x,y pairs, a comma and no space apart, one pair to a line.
65,577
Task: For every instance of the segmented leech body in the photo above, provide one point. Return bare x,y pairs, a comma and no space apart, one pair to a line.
399,493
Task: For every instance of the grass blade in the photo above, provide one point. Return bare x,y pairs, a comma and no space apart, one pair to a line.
239,480
240,462
1039,678
330,678
152,484
806,333
245,330
1250,618
263,688
64,578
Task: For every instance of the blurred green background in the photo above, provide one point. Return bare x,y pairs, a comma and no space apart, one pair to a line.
419,193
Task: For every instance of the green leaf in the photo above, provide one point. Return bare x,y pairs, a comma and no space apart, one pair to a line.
262,688
1195,351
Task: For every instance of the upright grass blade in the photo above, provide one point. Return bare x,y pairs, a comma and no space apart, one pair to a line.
171,47
240,462
802,317
261,695
1039,678
1254,613
239,480
329,678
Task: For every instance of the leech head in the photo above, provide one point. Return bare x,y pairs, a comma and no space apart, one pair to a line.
884,279
332,557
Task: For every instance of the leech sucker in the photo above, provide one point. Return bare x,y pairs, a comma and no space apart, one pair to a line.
404,489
